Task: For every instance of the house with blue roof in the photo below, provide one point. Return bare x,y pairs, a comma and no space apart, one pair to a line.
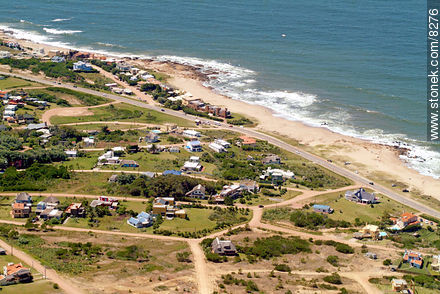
194,146
322,208
142,220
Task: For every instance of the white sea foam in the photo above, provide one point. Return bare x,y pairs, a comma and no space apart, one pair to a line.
61,19
61,32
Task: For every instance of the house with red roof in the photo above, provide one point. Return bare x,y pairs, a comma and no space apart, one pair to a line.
414,259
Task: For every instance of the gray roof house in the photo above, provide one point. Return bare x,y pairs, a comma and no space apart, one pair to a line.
271,159
223,247
36,126
23,197
360,196
52,200
113,179
249,185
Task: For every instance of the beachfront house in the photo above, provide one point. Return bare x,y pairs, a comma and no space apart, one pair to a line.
406,221
223,247
277,175
58,59
82,66
194,146
142,220
361,196
319,208
247,141
198,191
271,159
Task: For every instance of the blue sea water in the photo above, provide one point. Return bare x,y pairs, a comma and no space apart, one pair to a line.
357,65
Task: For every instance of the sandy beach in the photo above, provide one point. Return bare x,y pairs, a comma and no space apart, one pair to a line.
378,162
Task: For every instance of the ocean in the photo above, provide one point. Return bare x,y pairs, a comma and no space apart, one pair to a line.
355,67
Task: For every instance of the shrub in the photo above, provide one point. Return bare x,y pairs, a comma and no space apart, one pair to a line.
334,278
344,248
333,260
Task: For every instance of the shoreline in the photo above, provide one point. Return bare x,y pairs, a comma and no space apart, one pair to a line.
369,159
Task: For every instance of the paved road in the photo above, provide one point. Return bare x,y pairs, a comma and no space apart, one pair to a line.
52,275
251,132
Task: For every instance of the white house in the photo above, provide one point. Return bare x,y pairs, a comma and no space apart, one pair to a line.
71,153
58,59
223,143
5,54
11,107
108,158
192,166
194,146
217,147
277,174
89,141
191,133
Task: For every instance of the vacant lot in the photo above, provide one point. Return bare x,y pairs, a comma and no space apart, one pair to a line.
123,112
13,83
115,264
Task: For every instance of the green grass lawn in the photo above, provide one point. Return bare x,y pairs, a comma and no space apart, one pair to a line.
13,83
87,162
36,287
348,211
124,112
198,220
